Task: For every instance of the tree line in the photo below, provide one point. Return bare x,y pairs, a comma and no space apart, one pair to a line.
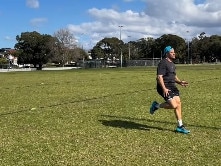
197,50
62,49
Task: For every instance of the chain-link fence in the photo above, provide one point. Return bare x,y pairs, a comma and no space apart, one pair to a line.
129,63
153,62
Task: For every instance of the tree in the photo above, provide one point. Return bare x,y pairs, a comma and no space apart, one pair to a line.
77,54
33,48
107,48
203,48
195,51
65,47
215,48
134,50
146,47
3,61
176,42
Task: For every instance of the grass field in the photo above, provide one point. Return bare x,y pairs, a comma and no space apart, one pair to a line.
101,117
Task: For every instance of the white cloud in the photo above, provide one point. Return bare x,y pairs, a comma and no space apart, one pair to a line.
186,12
160,17
32,3
8,38
37,22
210,6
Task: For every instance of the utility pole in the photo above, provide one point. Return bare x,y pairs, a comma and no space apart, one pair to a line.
188,48
121,55
129,50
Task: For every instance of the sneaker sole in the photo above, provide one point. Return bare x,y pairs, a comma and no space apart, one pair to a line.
182,132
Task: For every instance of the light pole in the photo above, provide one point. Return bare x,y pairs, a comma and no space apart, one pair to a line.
82,47
188,48
121,56
129,50
153,58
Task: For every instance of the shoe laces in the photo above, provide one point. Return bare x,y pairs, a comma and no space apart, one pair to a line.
183,127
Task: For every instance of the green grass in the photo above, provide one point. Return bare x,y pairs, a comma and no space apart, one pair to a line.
101,117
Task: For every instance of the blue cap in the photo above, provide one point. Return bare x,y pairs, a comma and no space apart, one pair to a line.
167,49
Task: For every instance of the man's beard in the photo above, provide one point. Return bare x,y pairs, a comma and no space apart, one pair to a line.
172,58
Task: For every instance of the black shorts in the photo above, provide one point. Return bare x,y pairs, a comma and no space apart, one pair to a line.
173,92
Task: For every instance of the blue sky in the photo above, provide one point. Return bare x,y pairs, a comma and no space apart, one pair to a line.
92,20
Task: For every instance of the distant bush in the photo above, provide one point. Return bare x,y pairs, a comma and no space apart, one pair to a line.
3,61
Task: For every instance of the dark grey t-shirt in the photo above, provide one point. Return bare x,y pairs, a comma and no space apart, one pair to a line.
168,70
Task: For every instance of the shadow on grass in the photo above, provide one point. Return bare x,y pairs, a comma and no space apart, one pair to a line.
128,125
124,124
157,121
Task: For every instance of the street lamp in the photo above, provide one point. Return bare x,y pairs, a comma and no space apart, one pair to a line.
188,48
82,47
121,56
129,49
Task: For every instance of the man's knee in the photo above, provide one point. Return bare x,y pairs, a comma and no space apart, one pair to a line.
175,103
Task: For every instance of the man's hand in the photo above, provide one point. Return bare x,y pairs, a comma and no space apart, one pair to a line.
184,83
165,92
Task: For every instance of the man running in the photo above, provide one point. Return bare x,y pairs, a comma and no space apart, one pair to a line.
166,87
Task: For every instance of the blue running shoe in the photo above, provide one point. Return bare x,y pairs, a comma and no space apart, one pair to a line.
182,129
153,107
